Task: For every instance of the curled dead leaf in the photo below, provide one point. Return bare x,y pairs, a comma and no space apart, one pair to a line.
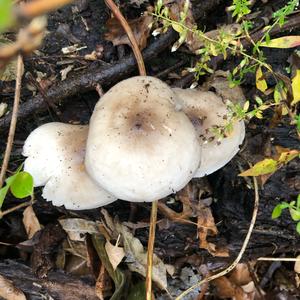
31,222
8,291
76,228
140,27
297,265
206,227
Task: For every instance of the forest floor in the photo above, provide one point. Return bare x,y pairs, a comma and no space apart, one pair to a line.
60,260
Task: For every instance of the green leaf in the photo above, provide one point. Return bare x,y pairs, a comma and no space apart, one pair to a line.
298,201
298,227
117,275
177,27
295,214
22,185
263,167
277,211
5,14
3,192
138,291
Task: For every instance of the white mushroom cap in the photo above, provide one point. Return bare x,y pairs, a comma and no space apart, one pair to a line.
139,147
55,158
205,110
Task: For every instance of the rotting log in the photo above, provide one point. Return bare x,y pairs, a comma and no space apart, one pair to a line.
57,285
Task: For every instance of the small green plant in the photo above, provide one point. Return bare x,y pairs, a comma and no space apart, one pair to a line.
294,210
228,42
240,8
20,184
5,14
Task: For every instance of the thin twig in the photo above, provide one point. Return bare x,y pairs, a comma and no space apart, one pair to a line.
13,122
278,259
150,250
137,53
10,210
35,8
238,258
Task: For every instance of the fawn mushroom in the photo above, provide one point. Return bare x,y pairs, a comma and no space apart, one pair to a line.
206,110
139,147
55,155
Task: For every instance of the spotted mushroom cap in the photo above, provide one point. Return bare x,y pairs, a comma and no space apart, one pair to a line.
55,155
139,147
205,110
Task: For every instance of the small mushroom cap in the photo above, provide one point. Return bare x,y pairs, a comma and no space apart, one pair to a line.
205,110
55,158
139,147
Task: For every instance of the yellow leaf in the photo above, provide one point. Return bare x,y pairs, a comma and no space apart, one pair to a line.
265,166
285,157
296,87
177,27
261,84
213,50
284,42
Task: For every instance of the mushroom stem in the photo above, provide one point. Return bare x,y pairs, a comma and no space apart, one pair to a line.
151,239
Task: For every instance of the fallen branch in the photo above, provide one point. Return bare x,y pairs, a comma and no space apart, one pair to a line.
57,285
88,80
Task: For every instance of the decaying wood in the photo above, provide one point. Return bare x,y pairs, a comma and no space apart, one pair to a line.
57,285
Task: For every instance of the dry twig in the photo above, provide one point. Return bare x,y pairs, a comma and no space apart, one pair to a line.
135,48
14,118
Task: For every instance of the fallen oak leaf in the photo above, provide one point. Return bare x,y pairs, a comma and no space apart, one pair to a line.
140,27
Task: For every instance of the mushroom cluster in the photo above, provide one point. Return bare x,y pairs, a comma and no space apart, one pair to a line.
145,141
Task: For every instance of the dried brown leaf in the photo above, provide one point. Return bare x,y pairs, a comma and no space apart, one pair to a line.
136,257
3,108
227,289
219,82
103,283
297,265
140,27
64,72
115,254
31,222
76,228
240,275
8,291
206,227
